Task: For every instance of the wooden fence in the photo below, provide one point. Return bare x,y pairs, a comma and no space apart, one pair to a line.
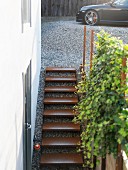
65,7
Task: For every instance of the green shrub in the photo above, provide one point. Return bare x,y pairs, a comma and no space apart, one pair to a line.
102,100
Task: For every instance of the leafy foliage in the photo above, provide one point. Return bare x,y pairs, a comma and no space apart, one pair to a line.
102,103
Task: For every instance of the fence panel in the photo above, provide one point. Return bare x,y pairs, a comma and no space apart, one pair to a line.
65,7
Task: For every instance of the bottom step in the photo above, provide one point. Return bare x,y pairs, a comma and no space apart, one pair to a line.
61,158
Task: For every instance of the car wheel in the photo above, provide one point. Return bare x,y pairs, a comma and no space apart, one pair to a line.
91,17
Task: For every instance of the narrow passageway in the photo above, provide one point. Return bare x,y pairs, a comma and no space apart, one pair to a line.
62,46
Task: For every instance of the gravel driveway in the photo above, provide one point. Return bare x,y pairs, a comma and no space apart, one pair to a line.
62,40
62,46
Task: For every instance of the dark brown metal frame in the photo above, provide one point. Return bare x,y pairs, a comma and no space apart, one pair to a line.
119,160
91,50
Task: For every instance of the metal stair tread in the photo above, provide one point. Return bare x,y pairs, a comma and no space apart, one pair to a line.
64,159
61,158
60,89
60,69
60,141
61,100
59,112
60,79
60,126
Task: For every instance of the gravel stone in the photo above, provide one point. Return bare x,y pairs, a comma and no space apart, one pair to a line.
62,46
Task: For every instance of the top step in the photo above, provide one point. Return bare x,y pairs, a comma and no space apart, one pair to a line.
60,69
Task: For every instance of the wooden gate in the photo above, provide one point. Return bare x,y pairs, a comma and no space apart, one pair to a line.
65,7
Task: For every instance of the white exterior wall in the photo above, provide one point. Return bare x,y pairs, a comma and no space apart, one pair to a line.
16,50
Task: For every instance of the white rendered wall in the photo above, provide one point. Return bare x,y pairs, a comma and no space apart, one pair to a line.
16,50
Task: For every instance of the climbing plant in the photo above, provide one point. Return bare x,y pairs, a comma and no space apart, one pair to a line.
102,106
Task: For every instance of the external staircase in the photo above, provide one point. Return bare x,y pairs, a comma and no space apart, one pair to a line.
60,135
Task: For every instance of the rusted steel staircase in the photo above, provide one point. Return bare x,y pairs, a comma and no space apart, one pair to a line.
60,135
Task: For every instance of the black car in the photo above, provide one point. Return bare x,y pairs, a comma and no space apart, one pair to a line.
114,12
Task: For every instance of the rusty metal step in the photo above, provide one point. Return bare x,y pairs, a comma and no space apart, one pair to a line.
61,126
60,69
64,159
61,100
61,159
59,112
61,141
60,79
60,89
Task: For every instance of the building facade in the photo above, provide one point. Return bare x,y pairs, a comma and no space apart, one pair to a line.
20,45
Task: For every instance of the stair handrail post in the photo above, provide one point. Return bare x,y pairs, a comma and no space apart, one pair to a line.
119,160
84,50
91,58
123,75
103,163
82,66
91,48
